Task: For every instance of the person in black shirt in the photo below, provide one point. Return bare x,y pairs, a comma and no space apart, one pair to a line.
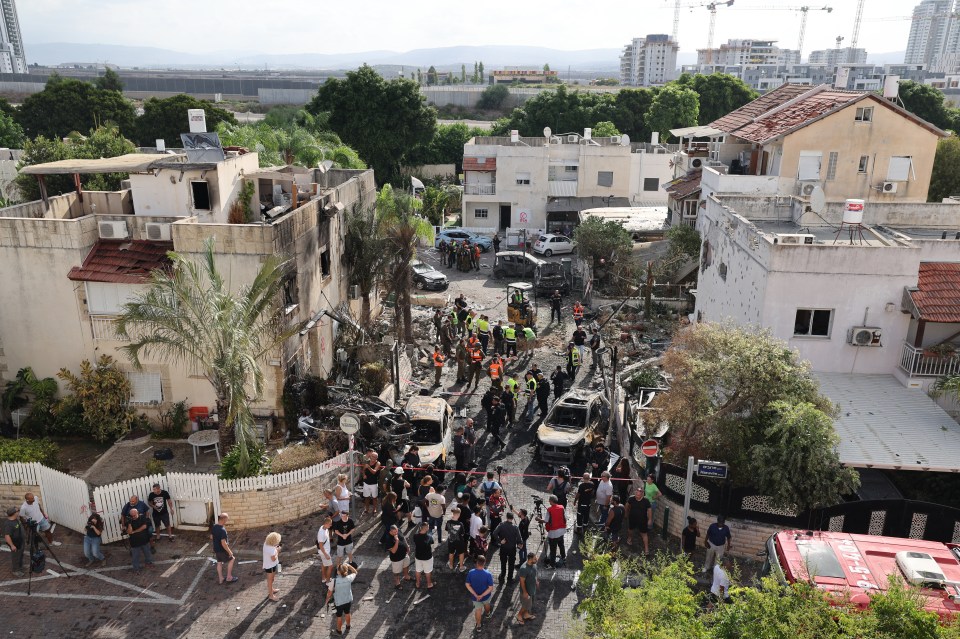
389,514
639,519
398,550
343,532
411,467
423,555
160,506
555,302
92,538
371,482
13,536
580,340
583,500
508,537
558,378
524,526
543,396
139,539
614,522
498,417
457,536
397,485
689,537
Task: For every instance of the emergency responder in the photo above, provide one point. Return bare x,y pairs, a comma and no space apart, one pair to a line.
476,364
530,340
462,358
438,359
578,313
498,338
573,361
531,383
483,332
510,341
496,372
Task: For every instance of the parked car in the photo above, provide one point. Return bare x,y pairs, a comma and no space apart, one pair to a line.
457,235
431,420
427,278
551,244
575,421
545,276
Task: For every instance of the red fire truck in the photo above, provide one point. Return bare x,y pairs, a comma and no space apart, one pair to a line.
852,567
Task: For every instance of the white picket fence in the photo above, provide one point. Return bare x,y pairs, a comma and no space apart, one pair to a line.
111,499
64,498
19,473
265,482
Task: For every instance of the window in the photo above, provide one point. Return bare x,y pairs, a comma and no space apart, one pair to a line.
864,114
813,322
324,262
201,195
604,178
523,179
651,184
481,214
291,292
899,168
105,298
832,165
864,163
145,387
809,167
571,169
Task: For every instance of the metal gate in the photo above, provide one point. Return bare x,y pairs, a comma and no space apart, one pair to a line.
196,499
65,498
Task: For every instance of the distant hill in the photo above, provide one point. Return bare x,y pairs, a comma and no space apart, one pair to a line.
492,57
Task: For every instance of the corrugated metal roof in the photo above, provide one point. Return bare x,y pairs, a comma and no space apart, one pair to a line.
562,188
695,131
129,163
122,261
883,424
938,292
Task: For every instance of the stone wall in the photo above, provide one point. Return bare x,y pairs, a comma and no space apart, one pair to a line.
748,537
12,495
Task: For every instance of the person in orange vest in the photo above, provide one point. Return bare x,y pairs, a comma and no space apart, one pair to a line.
474,342
476,257
578,313
438,359
496,372
476,364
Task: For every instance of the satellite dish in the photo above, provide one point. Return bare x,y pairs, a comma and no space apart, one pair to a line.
818,200
624,140
547,133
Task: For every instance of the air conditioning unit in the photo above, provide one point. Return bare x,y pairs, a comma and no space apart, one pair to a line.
353,292
614,139
696,163
805,189
864,336
890,187
793,238
573,139
158,232
110,230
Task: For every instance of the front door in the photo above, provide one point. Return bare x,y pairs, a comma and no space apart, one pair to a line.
504,216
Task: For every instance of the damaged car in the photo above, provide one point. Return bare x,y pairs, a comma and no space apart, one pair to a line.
577,420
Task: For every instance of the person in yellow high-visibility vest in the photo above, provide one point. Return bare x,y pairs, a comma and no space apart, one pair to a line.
531,396
573,361
438,360
509,341
483,332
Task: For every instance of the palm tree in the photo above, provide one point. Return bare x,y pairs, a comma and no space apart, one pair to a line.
402,228
190,317
364,254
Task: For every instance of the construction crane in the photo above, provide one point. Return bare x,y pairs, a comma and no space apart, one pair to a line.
803,18
711,6
851,52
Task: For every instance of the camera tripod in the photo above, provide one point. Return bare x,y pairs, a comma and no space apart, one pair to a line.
34,540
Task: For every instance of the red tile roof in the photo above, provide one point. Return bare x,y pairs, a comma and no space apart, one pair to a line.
770,100
684,186
479,164
938,292
122,261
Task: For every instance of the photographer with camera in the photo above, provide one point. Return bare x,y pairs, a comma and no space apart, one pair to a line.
91,540
13,535
559,485
31,511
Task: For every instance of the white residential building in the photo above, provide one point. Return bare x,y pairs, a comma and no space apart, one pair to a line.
934,33
834,57
649,61
748,52
12,57
539,184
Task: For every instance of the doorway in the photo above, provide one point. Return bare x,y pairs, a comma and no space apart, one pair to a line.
505,211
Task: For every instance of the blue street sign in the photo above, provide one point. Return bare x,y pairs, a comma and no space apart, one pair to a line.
717,470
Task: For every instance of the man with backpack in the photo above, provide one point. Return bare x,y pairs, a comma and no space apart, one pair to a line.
457,533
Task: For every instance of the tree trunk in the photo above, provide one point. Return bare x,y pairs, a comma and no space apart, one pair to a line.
407,319
227,435
365,310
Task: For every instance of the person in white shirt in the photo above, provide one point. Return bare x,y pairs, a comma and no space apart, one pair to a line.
342,494
323,550
475,523
720,589
604,494
31,511
271,562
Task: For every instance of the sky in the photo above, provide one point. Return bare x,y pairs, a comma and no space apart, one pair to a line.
307,26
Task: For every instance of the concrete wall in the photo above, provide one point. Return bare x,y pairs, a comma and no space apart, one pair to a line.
650,165
747,537
285,96
889,134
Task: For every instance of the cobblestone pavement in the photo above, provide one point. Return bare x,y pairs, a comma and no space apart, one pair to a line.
180,596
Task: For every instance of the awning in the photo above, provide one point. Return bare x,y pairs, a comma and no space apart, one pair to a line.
578,204
122,261
883,424
696,132
130,163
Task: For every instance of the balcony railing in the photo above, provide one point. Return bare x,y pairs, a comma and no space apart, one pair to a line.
915,363
480,189
105,328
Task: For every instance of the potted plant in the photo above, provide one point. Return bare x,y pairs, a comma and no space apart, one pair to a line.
944,350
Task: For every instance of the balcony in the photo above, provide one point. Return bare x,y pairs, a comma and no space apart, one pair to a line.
105,328
480,189
917,363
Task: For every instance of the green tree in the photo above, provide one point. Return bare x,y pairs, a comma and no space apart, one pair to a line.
11,135
380,119
66,105
102,392
476,74
945,179
684,240
562,111
493,97
435,202
602,242
546,68
673,107
630,107
110,81
39,393
290,145
190,316
605,129
446,147
463,73
925,102
104,142
402,229
480,72
431,76
718,93
364,254
166,118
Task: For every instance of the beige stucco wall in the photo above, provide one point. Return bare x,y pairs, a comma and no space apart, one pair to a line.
889,134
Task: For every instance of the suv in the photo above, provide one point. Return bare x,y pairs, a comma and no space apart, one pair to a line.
546,276
427,278
575,421
457,235
431,421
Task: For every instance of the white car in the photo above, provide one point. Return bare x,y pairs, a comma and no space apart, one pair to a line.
549,244
432,421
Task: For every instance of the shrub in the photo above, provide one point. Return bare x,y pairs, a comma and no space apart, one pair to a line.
102,392
373,377
173,422
259,462
296,457
30,450
156,467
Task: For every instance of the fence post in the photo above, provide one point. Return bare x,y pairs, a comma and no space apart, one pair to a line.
666,521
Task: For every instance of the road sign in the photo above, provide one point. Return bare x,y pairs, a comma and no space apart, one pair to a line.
650,448
716,470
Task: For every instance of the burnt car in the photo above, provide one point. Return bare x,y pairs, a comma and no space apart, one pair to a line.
546,276
576,420
427,278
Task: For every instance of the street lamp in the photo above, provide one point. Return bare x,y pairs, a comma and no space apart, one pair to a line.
350,424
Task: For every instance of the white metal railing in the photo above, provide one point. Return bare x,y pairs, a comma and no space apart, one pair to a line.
916,364
480,189
105,328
